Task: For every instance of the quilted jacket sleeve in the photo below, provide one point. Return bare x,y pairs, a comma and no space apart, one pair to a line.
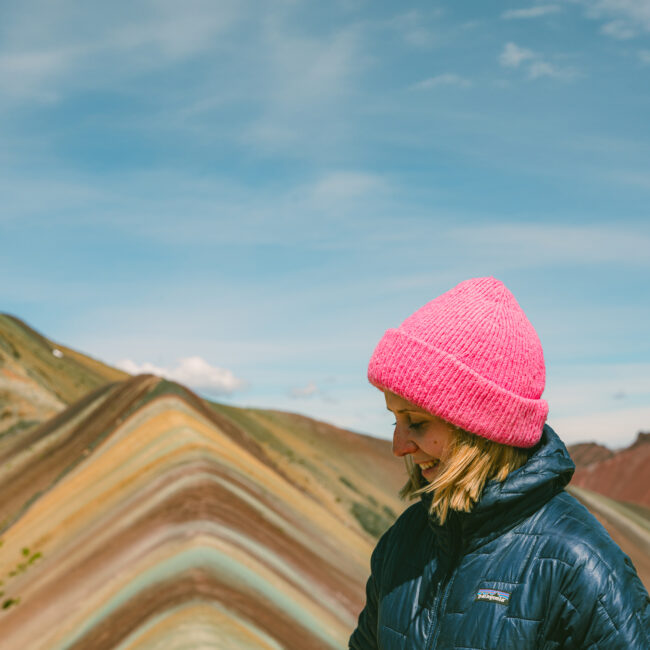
365,635
607,606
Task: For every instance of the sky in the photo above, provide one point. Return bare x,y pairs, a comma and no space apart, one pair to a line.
244,195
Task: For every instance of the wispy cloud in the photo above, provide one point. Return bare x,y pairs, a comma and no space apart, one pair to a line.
587,244
310,391
447,79
620,29
414,27
624,19
341,185
306,80
514,56
194,372
644,56
539,69
531,12
47,54
304,391
176,32
32,74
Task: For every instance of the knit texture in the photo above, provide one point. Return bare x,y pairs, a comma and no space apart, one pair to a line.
471,357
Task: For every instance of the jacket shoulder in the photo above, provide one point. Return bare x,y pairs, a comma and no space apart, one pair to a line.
569,533
597,578
570,530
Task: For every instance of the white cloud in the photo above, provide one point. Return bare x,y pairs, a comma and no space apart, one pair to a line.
304,391
513,55
539,69
412,26
176,31
448,79
625,19
29,73
531,12
344,185
536,67
194,372
619,29
53,48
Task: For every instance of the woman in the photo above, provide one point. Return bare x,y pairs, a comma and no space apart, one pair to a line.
495,554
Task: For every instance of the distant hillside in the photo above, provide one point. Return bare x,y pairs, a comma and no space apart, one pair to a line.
335,466
623,475
587,453
142,516
39,377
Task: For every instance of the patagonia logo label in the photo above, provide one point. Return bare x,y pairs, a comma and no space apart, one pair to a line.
493,595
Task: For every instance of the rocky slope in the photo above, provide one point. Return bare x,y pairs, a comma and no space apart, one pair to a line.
39,377
623,475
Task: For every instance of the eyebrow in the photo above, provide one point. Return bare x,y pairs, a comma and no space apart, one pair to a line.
406,411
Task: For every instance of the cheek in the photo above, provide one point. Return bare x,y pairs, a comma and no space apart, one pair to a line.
437,444
443,441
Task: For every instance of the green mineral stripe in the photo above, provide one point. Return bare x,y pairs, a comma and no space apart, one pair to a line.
197,635
228,570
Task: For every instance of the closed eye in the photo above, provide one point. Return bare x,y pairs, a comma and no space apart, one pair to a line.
414,426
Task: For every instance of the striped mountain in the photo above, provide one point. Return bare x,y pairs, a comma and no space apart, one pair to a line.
143,516
137,515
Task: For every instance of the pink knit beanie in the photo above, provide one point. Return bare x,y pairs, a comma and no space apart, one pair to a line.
472,358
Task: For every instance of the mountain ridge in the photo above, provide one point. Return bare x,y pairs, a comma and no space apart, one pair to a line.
141,513
39,377
621,474
147,464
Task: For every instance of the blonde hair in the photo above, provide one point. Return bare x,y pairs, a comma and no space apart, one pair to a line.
470,462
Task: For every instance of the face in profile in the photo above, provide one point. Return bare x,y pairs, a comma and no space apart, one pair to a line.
422,435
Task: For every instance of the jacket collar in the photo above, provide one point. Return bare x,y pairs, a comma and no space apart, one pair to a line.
503,505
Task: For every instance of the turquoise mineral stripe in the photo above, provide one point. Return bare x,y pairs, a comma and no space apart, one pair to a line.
227,569
199,635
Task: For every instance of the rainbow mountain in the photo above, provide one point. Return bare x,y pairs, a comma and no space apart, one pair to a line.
135,514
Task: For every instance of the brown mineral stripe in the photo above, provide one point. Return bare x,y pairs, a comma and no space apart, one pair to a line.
210,501
201,585
28,438
203,502
18,490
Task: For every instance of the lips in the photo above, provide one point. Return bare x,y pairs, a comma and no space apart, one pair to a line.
430,464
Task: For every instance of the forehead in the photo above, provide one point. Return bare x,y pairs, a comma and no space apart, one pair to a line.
396,403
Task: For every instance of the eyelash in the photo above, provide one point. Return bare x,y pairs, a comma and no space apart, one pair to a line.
414,426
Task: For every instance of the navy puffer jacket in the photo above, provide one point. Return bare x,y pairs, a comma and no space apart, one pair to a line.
528,568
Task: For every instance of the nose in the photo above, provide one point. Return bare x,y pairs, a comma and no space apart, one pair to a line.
402,443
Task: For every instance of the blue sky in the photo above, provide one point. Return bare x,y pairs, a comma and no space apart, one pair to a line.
244,195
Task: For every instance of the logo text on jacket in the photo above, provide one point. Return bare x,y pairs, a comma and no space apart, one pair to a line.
493,595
